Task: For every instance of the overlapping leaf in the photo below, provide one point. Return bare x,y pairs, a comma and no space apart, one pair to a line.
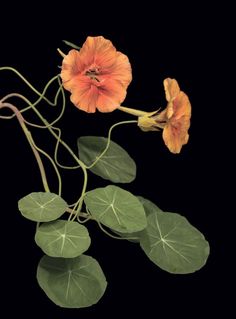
149,208
117,209
63,239
42,207
173,244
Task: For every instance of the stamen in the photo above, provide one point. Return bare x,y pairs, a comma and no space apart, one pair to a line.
91,73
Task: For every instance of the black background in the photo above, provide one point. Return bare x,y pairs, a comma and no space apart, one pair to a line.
182,43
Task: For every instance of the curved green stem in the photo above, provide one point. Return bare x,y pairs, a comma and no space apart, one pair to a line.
109,140
113,236
8,68
31,142
49,127
81,164
78,161
34,104
56,151
53,164
83,221
72,211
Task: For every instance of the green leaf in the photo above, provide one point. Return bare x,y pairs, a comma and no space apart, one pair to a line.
71,283
115,165
149,208
173,244
63,239
42,207
116,208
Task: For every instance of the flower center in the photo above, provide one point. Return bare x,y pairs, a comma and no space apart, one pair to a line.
92,73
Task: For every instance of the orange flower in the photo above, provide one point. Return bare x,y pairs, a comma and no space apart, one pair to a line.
178,113
97,76
174,119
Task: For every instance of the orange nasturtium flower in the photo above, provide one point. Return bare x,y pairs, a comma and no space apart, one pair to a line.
174,119
97,76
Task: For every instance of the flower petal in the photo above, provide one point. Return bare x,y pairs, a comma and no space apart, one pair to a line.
85,95
181,106
111,95
102,50
71,67
121,70
171,89
175,134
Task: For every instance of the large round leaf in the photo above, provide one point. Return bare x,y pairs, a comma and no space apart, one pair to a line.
115,165
63,239
173,244
42,207
116,208
72,283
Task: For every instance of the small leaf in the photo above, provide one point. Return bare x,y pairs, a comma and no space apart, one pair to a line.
71,283
115,165
116,208
62,238
173,244
42,207
72,45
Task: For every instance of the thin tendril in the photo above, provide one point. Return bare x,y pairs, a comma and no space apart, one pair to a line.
30,140
74,211
7,68
82,165
109,141
47,125
33,105
56,152
54,166
113,236
69,210
83,221
89,216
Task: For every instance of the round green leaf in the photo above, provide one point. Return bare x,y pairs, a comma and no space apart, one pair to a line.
116,208
173,244
63,239
71,283
115,165
42,207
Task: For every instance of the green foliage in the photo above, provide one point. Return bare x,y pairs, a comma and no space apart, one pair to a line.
149,208
173,244
62,238
69,278
42,207
115,165
116,208
72,283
